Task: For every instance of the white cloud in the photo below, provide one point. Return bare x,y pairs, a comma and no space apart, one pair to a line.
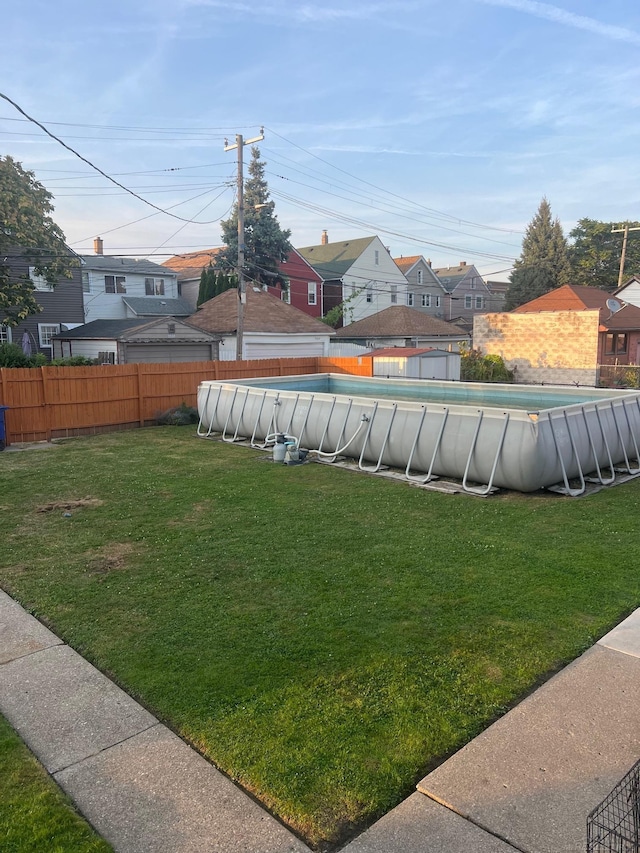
569,19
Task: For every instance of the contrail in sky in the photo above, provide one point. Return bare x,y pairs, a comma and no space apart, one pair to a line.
569,19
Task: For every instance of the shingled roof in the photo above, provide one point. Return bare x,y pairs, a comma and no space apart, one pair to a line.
333,260
399,321
263,313
122,266
574,297
190,265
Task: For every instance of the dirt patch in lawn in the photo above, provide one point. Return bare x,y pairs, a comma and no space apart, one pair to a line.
111,558
67,505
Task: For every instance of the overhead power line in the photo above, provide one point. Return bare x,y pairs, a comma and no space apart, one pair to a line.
97,168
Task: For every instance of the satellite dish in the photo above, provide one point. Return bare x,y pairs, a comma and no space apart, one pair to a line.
613,305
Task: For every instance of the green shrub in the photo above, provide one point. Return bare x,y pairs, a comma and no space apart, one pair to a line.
178,416
11,355
476,367
73,361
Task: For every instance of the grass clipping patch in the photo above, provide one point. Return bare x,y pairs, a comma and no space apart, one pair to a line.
68,505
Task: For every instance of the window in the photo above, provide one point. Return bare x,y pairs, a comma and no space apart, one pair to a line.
394,294
479,302
46,331
468,301
5,334
615,343
420,276
39,281
153,286
171,329
86,284
426,300
369,293
285,296
376,258
437,301
410,299
312,293
115,284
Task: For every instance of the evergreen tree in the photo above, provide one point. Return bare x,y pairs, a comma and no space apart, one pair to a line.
543,263
207,289
266,243
27,231
595,252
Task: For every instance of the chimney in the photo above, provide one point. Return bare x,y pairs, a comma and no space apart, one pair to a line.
97,246
429,261
463,263
325,238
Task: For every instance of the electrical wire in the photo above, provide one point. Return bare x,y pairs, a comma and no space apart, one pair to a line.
93,166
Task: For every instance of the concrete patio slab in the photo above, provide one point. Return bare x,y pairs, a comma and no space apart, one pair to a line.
625,637
419,825
533,776
20,633
154,793
64,709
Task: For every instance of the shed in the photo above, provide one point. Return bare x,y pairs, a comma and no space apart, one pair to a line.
416,363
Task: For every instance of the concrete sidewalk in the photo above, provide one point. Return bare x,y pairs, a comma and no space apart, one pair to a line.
527,783
140,786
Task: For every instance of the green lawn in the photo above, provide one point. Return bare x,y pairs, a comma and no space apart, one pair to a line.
35,816
324,637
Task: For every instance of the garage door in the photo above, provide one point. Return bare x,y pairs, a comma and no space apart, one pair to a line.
148,353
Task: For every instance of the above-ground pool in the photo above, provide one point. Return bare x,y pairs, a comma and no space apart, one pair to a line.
484,435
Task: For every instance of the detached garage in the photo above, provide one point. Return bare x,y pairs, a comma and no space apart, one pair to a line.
165,340
271,327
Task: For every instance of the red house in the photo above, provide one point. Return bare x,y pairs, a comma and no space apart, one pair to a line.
305,285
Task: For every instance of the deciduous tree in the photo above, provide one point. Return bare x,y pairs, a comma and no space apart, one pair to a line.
595,252
27,231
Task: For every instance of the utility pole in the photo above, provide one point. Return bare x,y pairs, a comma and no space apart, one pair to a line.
242,294
624,231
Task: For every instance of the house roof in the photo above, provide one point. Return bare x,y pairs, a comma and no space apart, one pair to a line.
122,266
190,265
399,321
263,313
399,352
405,264
115,329
157,306
333,260
574,297
451,277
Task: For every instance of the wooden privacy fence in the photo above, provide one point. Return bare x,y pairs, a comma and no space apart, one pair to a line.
56,402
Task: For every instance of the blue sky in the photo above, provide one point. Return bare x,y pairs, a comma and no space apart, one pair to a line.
437,125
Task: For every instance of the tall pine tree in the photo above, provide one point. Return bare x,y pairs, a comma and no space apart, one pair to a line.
266,243
543,263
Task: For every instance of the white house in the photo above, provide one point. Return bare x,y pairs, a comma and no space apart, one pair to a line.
116,288
359,274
